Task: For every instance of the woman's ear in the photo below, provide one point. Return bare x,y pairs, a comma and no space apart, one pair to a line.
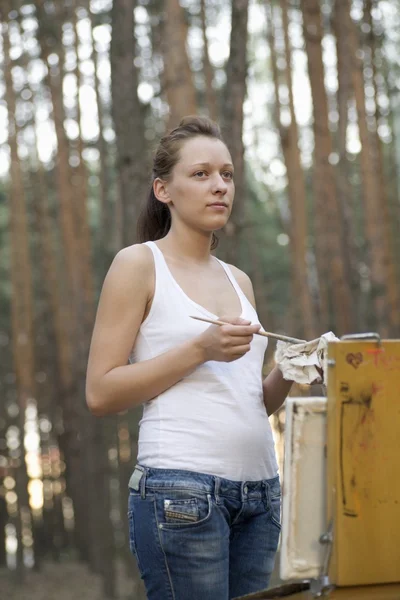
161,191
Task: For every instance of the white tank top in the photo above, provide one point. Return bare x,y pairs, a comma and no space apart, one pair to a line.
214,420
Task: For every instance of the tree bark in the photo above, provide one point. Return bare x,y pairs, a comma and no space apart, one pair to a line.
305,322
77,421
374,215
128,119
21,305
328,226
389,215
79,183
178,79
211,100
345,192
106,243
232,121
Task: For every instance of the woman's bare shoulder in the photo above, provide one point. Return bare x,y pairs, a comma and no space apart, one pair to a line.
136,259
137,256
245,283
132,267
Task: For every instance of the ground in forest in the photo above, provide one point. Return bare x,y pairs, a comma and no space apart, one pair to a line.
64,581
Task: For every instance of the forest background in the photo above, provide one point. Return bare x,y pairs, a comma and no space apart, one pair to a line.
307,93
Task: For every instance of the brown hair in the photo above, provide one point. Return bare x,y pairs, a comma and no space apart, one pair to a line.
154,219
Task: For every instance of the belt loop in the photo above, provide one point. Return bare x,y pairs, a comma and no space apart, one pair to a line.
143,484
217,483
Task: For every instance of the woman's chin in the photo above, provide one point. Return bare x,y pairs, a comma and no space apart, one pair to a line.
218,224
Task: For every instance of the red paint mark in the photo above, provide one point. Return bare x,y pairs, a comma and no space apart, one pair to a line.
391,363
375,388
375,352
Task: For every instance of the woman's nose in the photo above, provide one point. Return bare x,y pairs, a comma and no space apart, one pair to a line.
219,184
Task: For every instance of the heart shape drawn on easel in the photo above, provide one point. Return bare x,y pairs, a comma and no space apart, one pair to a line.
354,360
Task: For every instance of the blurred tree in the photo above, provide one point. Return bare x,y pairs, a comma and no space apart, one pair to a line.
210,95
106,243
82,432
232,121
302,315
21,306
373,194
50,40
389,211
128,121
328,219
346,193
177,77
79,179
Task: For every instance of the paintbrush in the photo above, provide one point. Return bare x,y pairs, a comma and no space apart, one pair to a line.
276,336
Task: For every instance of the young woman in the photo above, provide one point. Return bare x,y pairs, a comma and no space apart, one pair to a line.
204,504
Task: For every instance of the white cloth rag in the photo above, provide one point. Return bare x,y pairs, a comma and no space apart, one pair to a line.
299,362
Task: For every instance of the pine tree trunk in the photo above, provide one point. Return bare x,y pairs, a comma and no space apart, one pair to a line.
79,179
178,79
21,305
59,345
49,388
106,243
345,192
77,420
211,100
232,121
371,184
305,323
128,119
328,222
389,215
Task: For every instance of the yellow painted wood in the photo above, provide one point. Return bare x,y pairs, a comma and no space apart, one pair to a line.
364,462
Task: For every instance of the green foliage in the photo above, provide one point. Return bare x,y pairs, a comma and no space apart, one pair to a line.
266,229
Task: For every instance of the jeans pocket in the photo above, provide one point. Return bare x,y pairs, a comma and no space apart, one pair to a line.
182,510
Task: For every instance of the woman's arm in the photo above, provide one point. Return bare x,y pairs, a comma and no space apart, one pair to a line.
113,385
275,388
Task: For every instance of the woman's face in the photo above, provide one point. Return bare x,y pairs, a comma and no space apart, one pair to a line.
201,190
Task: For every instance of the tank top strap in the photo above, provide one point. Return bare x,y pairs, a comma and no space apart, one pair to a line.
232,279
161,271
158,259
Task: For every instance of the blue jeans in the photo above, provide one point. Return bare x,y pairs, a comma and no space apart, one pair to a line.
200,537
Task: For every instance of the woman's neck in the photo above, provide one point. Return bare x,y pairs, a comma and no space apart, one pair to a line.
190,246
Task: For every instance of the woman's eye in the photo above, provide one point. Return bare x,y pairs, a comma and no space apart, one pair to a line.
199,174
227,174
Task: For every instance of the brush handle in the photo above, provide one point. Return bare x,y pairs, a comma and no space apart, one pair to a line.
283,338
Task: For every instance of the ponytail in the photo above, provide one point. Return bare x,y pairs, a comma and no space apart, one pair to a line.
154,220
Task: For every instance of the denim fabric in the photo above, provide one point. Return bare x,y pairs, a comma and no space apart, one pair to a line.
200,537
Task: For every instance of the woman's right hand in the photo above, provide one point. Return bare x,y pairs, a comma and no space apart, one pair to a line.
227,343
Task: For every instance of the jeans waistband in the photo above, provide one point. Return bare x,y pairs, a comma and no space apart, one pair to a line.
148,478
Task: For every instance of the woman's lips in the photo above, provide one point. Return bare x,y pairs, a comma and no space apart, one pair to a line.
218,205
